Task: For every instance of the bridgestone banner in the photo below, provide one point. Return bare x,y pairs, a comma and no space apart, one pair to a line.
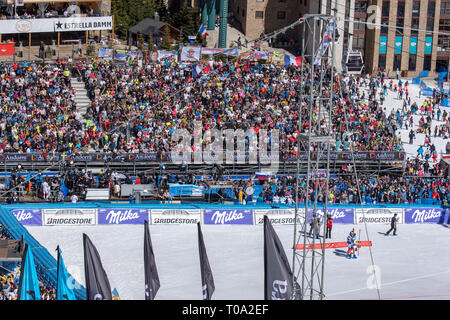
378,215
278,216
69,217
175,216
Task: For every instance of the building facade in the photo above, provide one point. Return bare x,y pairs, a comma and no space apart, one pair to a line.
257,17
443,47
405,41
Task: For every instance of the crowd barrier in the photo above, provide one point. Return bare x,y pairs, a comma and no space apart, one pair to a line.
221,215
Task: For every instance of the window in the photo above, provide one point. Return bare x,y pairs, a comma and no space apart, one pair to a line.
412,62
385,17
400,17
445,7
238,9
259,14
282,0
427,63
431,9
382,62
430,24
397,62
385,9
259,0
416,9
281,15
243,12
415,17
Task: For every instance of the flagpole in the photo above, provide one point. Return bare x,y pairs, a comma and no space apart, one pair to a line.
22,268
265,259
57,270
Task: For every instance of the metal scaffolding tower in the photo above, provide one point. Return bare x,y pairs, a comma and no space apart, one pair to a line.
316,95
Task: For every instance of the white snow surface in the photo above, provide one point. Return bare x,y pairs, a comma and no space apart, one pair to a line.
415,264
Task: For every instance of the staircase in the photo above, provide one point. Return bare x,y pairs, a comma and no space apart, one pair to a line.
81,98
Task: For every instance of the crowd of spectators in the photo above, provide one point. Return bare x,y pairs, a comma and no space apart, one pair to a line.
50,11
9,283
137,106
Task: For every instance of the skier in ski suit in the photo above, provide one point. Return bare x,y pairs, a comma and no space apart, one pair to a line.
351,243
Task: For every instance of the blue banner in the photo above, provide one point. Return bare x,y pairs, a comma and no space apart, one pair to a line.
122,216
227,216
28,217
398,44
344,215
63,292
425,215
428,44
383,44
413,45
29,283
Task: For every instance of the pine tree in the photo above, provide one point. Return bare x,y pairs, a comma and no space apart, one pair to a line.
166,39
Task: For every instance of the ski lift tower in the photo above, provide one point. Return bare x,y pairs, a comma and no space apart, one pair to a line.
316,94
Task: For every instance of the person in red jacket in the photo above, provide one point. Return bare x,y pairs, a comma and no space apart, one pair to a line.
329,226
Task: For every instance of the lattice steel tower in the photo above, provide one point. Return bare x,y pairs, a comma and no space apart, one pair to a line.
316,95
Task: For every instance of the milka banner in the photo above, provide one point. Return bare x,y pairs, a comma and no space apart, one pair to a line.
122,216
28,217
226,216
425,215
190,53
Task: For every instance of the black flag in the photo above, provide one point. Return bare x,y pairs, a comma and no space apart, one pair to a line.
207,277
277,272
97,283
151,273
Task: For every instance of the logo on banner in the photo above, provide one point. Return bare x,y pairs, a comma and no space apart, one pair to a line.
120,216
24,26
28,216
424,215
228,217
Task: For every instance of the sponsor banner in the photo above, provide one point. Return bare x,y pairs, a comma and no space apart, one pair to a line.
227,216
278,216
175,216
378,215
28,217
82,23
339,215
69,217
122,216
425,215
166,157
55,24
190,53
